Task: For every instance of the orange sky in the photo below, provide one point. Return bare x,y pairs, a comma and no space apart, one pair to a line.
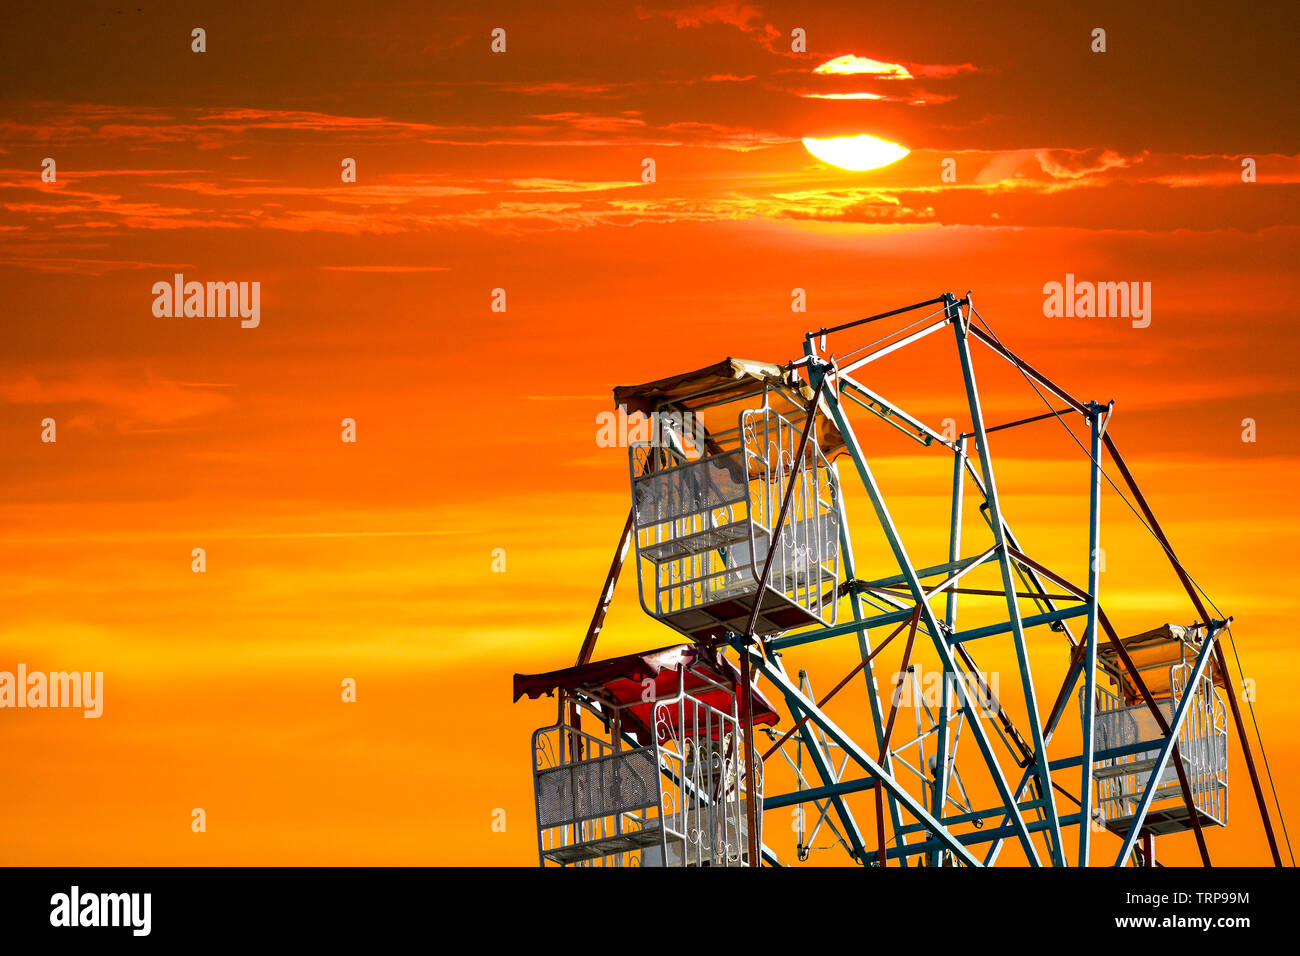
476,430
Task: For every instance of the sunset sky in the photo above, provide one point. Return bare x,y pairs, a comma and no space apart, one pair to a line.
476,430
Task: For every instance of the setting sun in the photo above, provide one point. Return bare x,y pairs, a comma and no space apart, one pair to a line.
855,152
851,65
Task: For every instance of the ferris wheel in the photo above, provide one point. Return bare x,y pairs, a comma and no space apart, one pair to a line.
1082,746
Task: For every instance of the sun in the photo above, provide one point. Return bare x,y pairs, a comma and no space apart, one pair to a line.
855,152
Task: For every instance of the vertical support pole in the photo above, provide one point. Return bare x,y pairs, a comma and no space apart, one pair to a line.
751,822
868,670
954,531
1089,716
1008,584
904,671
880,825
798,781
942,757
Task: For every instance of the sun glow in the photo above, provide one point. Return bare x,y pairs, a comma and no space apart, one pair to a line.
842,96
851,65
855,152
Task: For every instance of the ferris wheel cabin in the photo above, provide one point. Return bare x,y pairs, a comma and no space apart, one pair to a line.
1165,658
655,773
706,493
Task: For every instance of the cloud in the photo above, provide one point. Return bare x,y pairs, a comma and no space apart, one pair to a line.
595,122
210,128
99,399
743,16
569,185
941,71
568,88
386,268
81,265
1080,163
843,78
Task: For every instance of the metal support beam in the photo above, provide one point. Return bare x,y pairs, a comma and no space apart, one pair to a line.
1089,661
814,794
861,665
1163,724
982,836
1009,627
1027,574
956,564
903,671
607,592
864,760
943,758
928,618
864,649
751,757
1008,583
826,772
893,347
871,318
1028,369
889,412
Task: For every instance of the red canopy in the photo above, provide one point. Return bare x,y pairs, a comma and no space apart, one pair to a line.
618,681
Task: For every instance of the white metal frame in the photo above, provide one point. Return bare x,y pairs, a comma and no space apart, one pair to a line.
595,803
1121,780
704,526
